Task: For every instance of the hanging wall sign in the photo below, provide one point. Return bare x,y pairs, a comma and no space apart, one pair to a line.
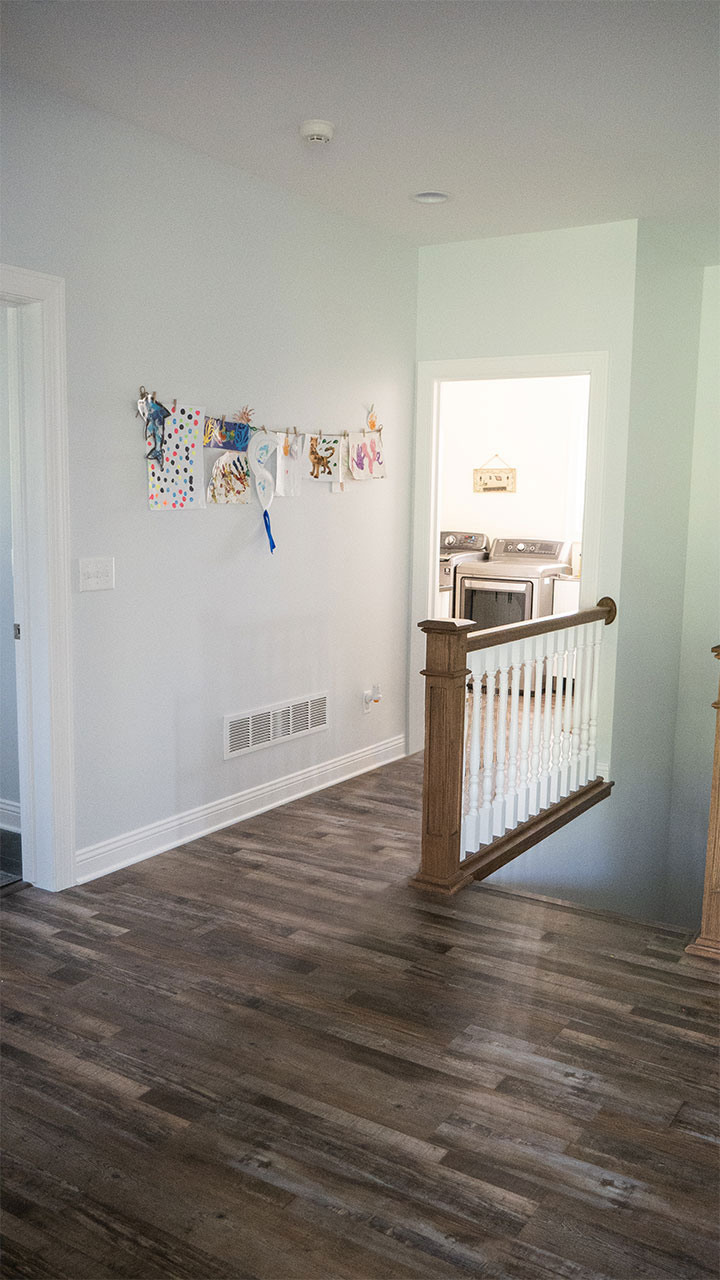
495,476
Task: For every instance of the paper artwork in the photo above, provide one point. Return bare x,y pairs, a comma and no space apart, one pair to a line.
367,455
260,449
230,479
290,464
175,476
324,457
153,415
226,433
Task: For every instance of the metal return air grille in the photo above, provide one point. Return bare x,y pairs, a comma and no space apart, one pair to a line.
255,729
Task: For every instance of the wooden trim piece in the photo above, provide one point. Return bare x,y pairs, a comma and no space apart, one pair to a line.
43,594
708,948
485,861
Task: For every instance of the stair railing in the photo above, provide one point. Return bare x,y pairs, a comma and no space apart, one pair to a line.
510,739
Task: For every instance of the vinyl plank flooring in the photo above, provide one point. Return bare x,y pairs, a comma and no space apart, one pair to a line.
264,1056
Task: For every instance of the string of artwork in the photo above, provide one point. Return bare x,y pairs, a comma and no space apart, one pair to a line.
250,458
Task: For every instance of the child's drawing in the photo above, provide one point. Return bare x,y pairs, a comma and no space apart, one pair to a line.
226,433
324,455
153,415
175,479
367,455
230,479
290,461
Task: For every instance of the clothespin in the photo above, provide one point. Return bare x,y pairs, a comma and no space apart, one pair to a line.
222,424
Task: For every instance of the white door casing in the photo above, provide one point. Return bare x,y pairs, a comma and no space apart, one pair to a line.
41,560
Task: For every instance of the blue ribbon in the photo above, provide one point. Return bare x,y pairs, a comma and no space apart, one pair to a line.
268,530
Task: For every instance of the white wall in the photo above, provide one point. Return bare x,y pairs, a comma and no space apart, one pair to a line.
626,289
698,670
538,426
9,779
201,283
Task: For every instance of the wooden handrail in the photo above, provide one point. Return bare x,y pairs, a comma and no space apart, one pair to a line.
604,611
450,642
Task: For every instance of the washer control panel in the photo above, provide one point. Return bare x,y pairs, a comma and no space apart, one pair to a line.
452,540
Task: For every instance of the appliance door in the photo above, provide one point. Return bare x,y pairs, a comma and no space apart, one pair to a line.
493,602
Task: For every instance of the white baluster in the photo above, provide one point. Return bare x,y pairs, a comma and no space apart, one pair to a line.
523,791
567,715
577,710
549,647
597,630
511,795
502,710
585,708
559,664
534,779
470,822
486,811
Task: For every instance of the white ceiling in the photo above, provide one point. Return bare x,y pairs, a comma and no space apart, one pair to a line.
532,114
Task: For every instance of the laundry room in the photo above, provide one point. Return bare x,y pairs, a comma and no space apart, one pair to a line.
511,496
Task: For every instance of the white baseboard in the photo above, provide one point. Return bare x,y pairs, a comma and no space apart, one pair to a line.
10,815
158,837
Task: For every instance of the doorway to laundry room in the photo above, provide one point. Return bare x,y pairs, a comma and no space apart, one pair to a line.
510,496
510,450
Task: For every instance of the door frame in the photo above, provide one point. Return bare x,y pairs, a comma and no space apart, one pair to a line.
41,572
426,530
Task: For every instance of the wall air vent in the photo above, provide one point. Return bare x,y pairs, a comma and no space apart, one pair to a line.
283,720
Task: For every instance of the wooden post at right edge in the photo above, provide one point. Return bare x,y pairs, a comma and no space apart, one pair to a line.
446,673
708,944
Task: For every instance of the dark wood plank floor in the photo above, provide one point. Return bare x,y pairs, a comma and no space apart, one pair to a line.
265,1056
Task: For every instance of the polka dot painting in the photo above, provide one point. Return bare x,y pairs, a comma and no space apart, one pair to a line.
179,482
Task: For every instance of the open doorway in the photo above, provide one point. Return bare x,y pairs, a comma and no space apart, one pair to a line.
511,478
439,381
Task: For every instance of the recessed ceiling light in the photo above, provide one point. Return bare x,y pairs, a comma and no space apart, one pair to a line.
431,197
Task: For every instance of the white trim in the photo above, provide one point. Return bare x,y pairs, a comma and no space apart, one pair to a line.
426,531
41,553
159,837
10,815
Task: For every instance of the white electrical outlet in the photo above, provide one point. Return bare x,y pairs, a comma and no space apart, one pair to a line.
97,574
371,697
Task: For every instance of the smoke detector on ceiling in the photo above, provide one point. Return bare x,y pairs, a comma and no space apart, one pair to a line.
317,130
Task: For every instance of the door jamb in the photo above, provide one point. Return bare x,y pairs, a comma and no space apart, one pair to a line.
41,555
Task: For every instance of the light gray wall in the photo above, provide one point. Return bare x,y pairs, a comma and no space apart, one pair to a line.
9,778
698,672
203,284
627,289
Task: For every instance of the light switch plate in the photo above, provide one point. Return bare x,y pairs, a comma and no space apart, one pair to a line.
97,573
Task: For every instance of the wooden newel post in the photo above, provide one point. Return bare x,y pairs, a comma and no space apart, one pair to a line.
708,944
446,673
